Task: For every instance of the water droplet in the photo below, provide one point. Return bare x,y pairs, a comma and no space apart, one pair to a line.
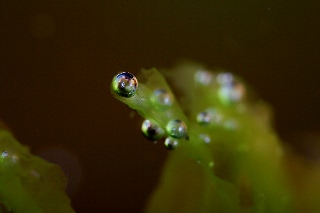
203,118
209,116
4,154
162,98
225,78
231,90
205,138
176,128
125,84
231,93
151,130
203,77
171,143
8,157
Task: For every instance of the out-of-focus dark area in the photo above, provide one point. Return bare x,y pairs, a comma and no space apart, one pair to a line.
58,59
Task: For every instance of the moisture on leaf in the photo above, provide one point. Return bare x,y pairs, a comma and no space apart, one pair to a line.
226,157
29,184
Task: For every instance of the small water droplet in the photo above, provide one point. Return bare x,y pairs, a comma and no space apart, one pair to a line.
176,129
203,77
151,130
4,154
162,98
9,157
171,143
205,138
231,93
225,78
125,84
203,118
209,116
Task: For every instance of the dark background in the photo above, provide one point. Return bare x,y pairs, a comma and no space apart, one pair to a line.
58,59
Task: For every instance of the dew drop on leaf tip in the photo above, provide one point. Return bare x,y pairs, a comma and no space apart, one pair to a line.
125,84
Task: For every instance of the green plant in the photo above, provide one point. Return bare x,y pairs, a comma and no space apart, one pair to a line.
29,184
227,157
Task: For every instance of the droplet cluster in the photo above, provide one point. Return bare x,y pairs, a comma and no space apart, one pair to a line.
222,137
156,103
165,119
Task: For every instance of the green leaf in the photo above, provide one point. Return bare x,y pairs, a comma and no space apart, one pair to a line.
29,184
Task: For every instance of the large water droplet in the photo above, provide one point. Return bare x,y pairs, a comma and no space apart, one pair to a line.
151,130
162,98
171,143
176,129
125,84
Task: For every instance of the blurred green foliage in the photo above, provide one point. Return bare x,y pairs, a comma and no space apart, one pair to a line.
232,160
29,184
